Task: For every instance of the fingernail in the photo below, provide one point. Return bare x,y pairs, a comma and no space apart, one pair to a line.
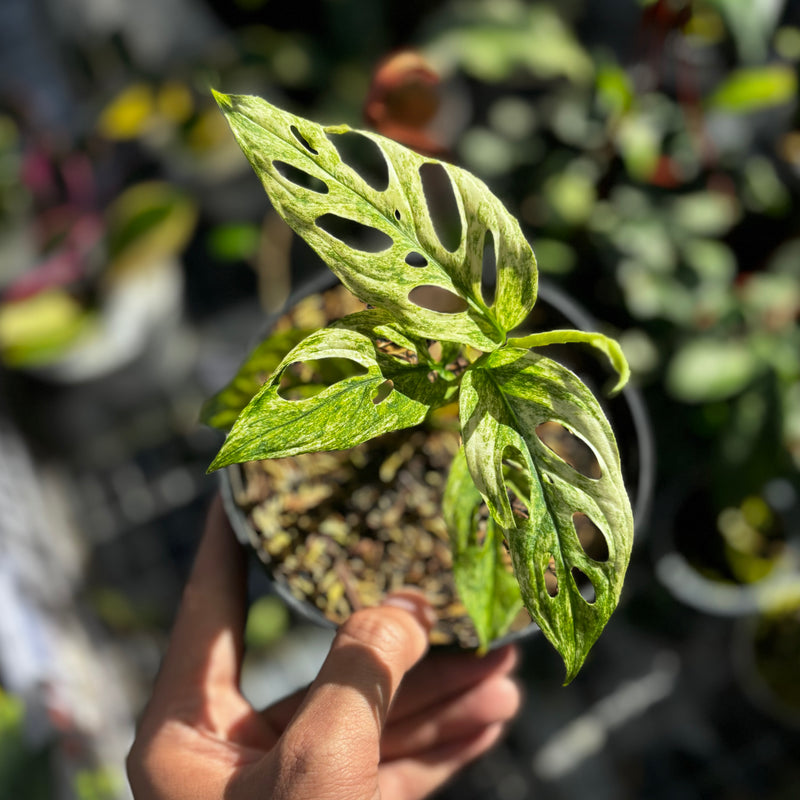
415,603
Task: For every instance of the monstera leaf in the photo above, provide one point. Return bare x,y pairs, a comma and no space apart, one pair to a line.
221,410
386,394
504,400
380,237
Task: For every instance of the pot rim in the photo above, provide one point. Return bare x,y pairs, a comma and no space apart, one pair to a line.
688,585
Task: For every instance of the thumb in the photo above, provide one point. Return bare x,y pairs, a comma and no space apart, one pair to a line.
334,739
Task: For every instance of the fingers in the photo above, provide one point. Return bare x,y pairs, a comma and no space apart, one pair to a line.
417,777
437,678
335,735
494,700
204,656
444,675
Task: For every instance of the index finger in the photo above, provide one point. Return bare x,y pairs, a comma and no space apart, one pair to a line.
206,646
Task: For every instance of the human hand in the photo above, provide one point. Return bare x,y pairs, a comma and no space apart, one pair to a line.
356,732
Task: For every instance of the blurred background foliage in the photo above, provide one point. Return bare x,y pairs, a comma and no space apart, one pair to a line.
650,149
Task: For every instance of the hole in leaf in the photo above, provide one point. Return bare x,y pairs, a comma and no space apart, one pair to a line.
435,350
397,214
550,578
300,177
592,540
435,298
415,259
396,351
304,379
354,234
302,139
481,524
488,269
570,448
517,481
584,585
363,155
384,390
442,204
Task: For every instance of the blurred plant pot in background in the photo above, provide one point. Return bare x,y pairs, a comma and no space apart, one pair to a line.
722,561
337,530
99,302
765,654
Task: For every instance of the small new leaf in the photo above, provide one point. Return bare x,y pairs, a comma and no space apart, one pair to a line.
607,346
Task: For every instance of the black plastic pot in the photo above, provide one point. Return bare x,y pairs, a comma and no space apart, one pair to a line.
626,411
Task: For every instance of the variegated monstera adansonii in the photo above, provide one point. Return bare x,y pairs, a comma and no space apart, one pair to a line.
421,276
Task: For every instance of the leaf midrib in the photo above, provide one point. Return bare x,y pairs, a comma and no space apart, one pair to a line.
517,428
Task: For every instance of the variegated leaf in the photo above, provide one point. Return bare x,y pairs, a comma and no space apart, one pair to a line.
221,410
505,397
380,238
345,414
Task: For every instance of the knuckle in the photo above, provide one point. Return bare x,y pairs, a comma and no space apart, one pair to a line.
387,631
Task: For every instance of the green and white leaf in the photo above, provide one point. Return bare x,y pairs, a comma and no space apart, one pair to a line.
486,587
607,346
504,398
400,212
221,410
341,416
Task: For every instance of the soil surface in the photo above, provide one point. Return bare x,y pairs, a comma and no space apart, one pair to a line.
341,529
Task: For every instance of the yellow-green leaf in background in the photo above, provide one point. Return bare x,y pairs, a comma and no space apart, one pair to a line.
755,88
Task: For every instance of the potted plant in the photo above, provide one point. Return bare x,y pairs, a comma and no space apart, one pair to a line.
411,237
765,653
724,557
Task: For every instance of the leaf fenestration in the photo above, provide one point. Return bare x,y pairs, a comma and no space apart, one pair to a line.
221,410
386,279
341,416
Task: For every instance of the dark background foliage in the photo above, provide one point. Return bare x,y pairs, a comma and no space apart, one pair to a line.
651,152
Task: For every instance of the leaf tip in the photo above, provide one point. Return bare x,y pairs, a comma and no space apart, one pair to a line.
224,101
573,667
220,460
621,365
621,383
